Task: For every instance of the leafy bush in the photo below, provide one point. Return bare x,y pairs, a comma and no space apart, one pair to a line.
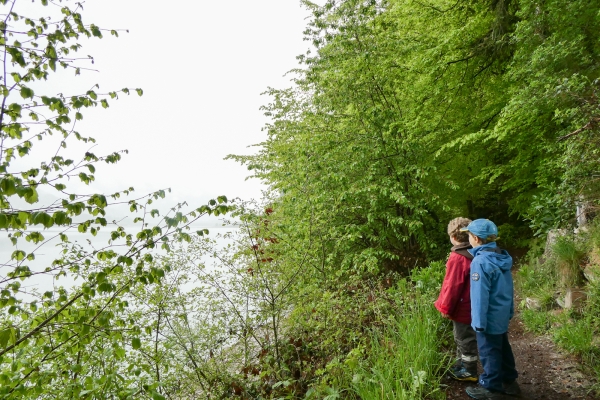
537,280
429,280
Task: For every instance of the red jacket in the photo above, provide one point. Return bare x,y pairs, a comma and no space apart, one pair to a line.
455,296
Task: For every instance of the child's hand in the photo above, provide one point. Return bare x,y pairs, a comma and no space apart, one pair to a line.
445,316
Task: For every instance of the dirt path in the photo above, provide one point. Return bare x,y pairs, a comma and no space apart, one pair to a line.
544,372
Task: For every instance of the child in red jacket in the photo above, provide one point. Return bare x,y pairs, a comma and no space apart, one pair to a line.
454,301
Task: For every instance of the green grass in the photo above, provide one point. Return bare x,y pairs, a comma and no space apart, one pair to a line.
569,254
404,356
576,336
405,361
537,321
535,279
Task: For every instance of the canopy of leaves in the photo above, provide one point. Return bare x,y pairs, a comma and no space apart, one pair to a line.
409,113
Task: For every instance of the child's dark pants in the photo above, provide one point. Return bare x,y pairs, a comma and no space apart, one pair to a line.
497,360
466,345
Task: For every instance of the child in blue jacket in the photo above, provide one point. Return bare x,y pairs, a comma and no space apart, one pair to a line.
492,307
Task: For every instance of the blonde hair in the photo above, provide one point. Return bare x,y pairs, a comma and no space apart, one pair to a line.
489,239
455,226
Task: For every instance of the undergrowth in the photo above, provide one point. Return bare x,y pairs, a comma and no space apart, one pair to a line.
377,338
404,359
572,263
395,353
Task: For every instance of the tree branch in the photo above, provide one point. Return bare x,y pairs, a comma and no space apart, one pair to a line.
589,125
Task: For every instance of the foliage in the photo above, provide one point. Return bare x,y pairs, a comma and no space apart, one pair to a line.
404,360
578,337
76,338
310,339
428,280
405,115
410,113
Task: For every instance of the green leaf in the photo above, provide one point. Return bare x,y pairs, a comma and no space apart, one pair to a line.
26,92
136,343
31,195
23,217
61,218
5,337
120,353
157,396
18,255
7,187
42,218
96,31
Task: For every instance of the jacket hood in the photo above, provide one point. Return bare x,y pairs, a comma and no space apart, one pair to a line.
463,250
493,255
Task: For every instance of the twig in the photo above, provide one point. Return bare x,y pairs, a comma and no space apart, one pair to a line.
587,126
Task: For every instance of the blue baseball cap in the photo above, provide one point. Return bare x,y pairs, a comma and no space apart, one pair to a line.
482,228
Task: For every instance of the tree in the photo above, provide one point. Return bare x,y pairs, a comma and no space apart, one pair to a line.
360,144
71,340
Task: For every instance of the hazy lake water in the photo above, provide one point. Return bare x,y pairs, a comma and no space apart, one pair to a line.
51,250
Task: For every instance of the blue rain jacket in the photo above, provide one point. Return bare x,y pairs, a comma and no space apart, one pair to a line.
492,304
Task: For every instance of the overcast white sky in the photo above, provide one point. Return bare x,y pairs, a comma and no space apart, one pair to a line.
202,66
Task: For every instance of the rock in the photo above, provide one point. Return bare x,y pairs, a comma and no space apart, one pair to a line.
532,303
575,298
557,312
592,273
584,212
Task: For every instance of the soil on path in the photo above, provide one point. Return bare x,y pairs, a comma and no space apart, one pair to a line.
544,372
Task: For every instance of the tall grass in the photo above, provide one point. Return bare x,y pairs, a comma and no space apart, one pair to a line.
569,255
405,361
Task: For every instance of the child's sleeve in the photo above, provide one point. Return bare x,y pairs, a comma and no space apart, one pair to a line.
480,296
